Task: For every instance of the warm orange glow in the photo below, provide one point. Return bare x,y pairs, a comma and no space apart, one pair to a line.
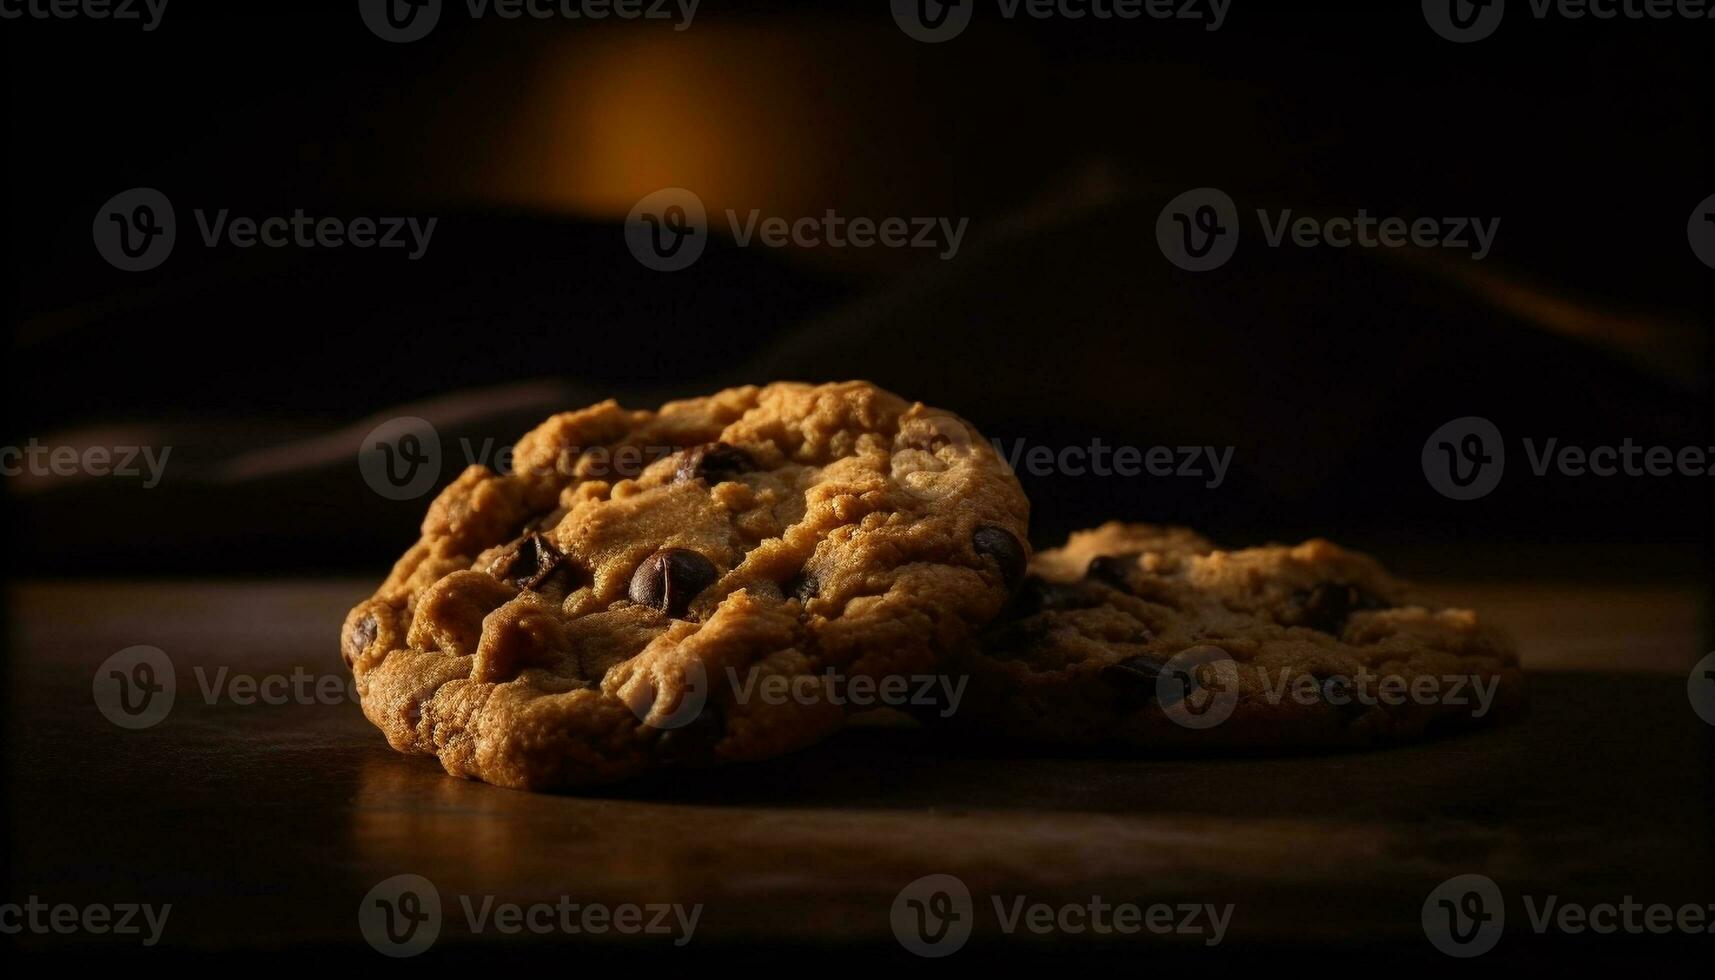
724,113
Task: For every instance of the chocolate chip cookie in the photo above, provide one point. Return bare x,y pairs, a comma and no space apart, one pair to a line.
1141,636
626,597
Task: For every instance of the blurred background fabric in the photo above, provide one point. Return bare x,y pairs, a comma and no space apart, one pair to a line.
1058,323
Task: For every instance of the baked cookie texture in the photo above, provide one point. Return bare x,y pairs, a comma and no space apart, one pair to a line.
1305,646
604,608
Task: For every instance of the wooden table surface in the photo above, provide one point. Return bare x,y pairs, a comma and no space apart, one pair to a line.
266,825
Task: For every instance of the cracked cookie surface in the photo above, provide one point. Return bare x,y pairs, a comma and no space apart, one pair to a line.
1143,636
621,600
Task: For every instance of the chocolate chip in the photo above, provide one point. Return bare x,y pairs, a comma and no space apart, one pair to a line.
713,462
1133,681
1037,594
1112,570
530,563
1327,606
360,636
803,586
670,578
1008,553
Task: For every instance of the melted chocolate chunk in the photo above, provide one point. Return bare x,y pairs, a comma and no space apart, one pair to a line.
1007,551
713,462
1037,594
1327,606
1112,570
670,578
360,636
531,562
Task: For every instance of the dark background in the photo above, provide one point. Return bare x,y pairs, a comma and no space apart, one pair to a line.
1059,322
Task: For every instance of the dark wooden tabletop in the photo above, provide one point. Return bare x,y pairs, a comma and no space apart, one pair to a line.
267,825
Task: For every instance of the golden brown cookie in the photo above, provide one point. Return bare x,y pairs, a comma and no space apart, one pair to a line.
629,596
1144,636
